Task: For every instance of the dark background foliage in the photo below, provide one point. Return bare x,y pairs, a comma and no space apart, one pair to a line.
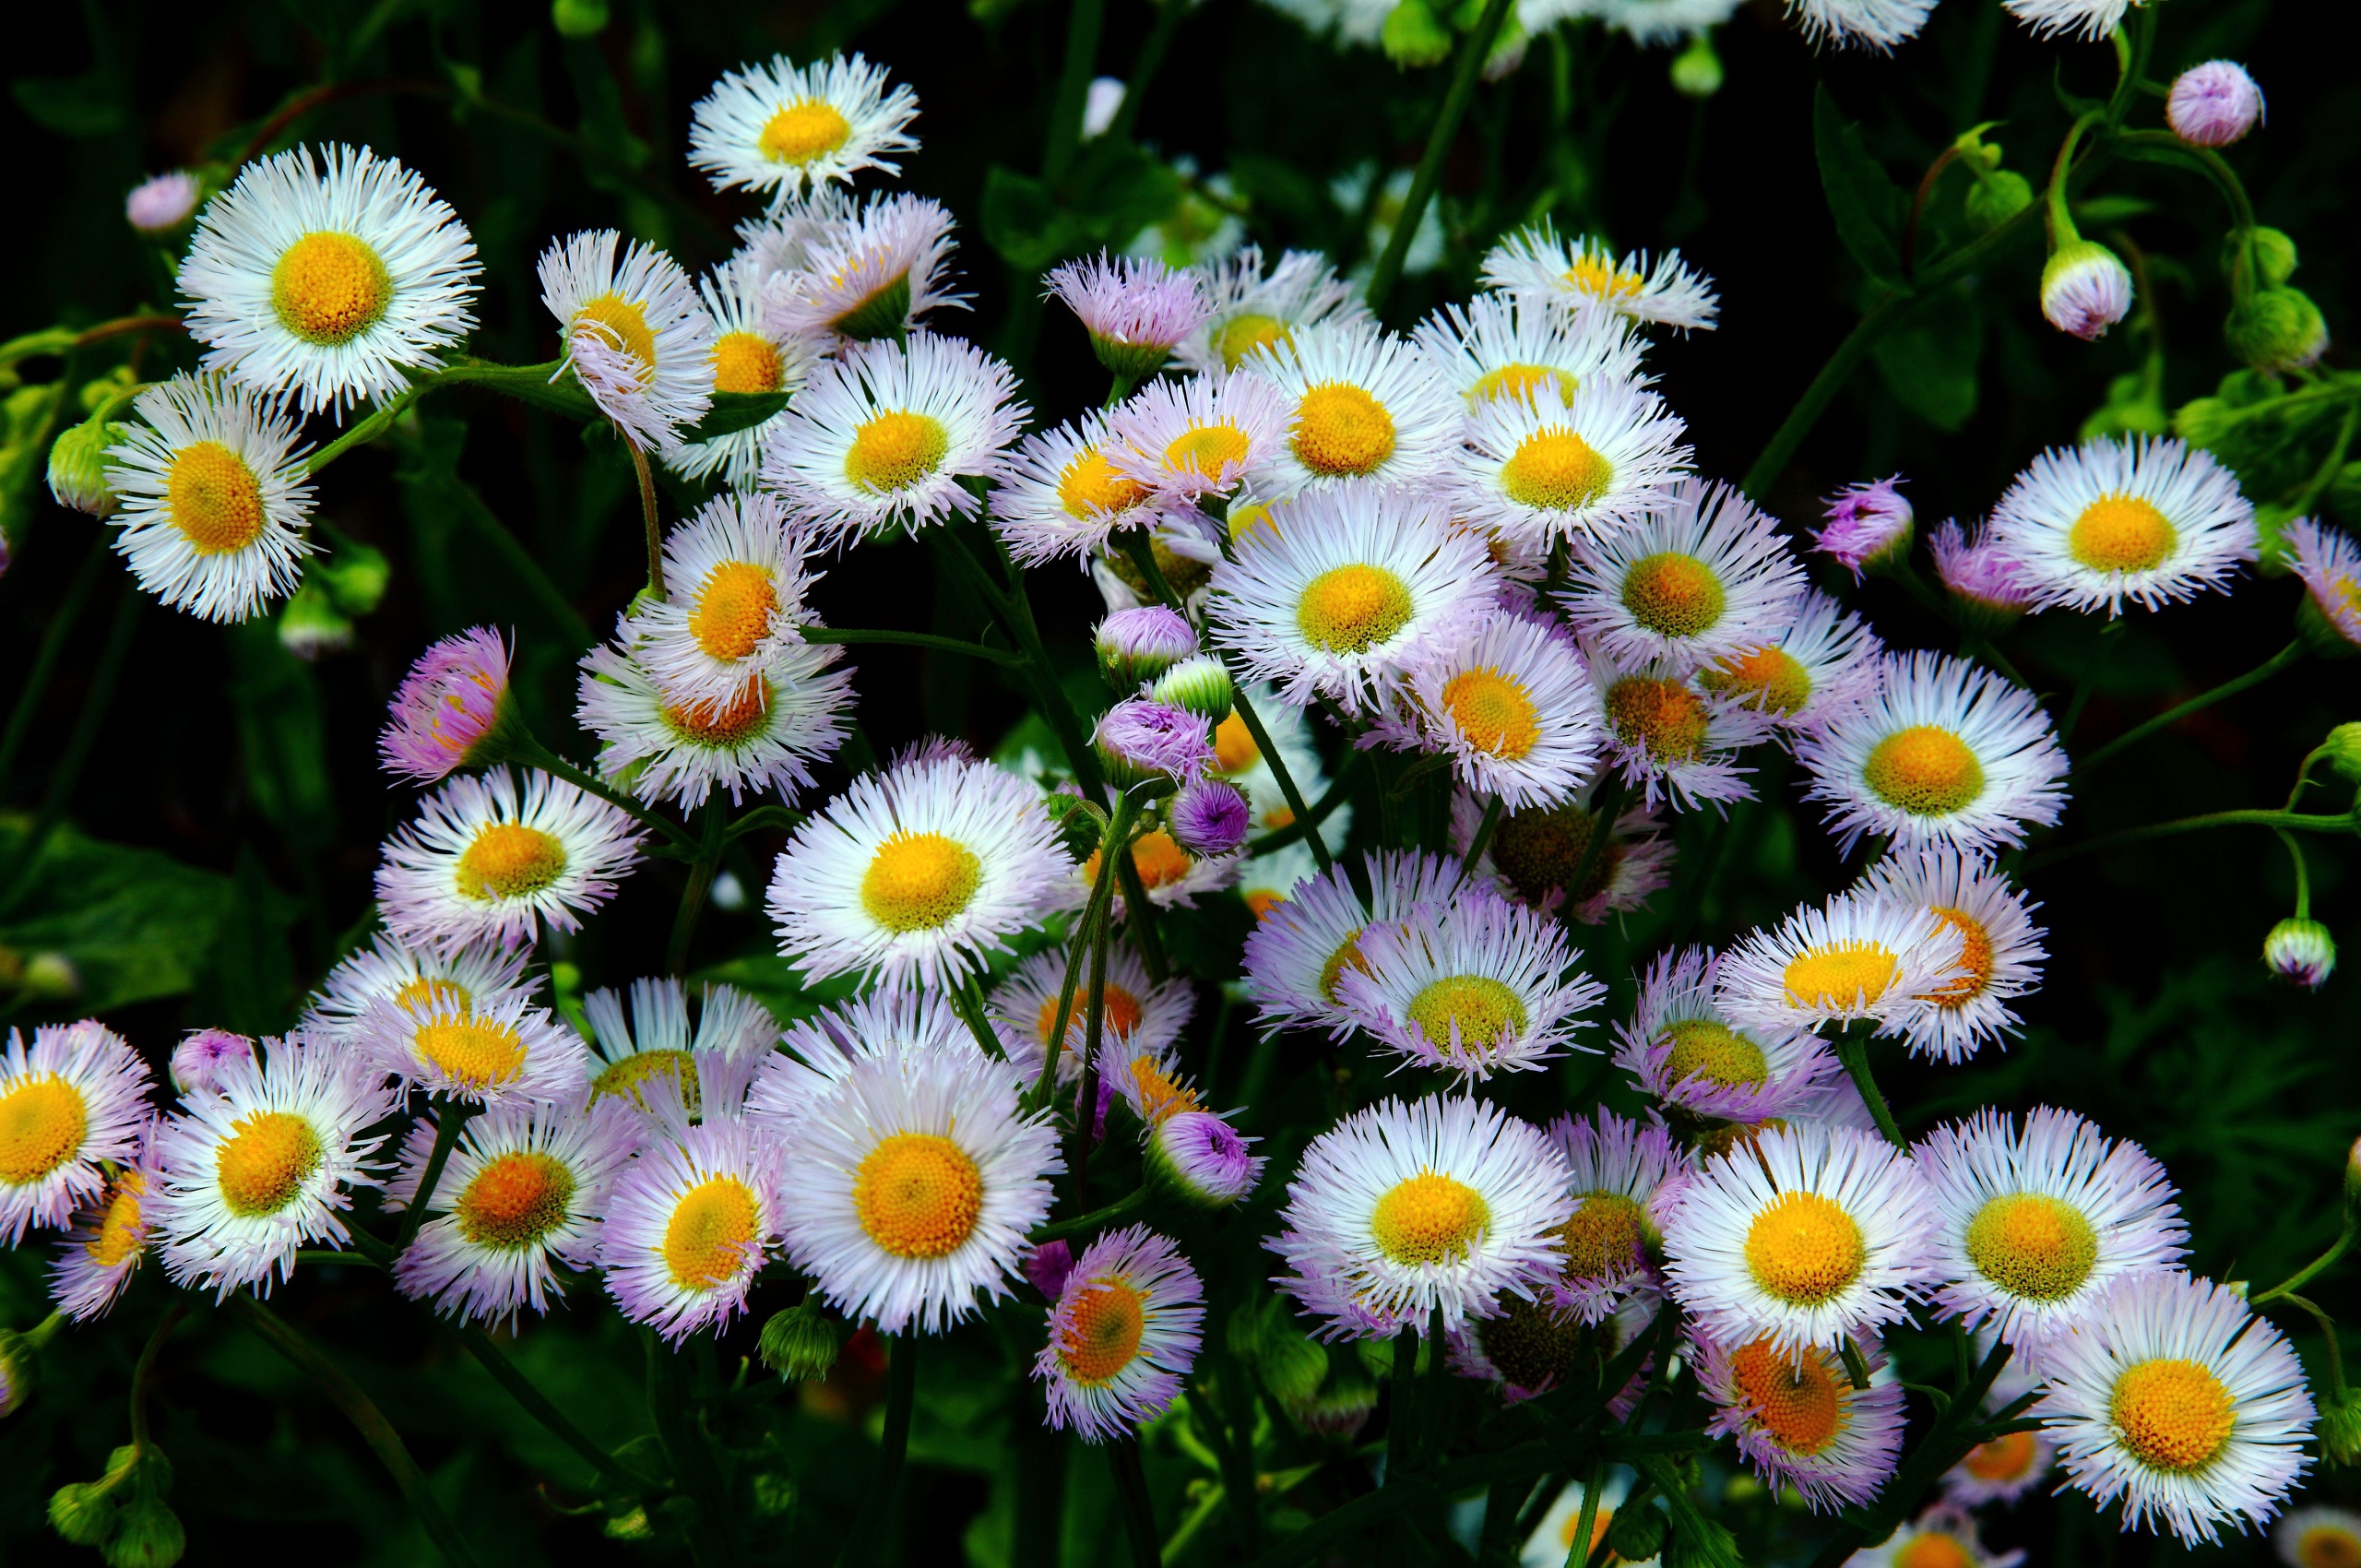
226,818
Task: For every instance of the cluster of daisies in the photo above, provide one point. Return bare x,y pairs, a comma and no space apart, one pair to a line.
1479,550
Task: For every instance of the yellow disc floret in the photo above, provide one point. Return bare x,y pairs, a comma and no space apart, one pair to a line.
433,993
2172,1415
1673,595
1241,335
1493,711
516,1199
1347,956
918,1196
1771,679
1708,1049
1603,1236
1091,486
711,1233
1803,1249
1520,381
1601,278
1658,716
265,1161
1205,449
745,362
632,1073
1925,770
120,1236
1976,961
214,498
1103,1331
2122,533
920,881
1795,1397
2032,1245
895,450
509,860
1340,429
1352,609
1430,1218
734,609
329,288
621,323
806,129
1556,470
1935,1549
42,1125
724,725
473,1050
1840,975
1484,1011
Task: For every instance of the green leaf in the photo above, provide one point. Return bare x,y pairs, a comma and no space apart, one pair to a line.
735,411
72,106
1117,189
250,982
135,924
1023,221
1930,361
1869,208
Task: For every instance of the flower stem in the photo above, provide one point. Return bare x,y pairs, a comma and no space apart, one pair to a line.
1853,1049
901,1395
1483,839
713,1535
1138,1510
2286,656
53,643
2303,873
713,839
1082,23
453,1116
1097,1219
97,697
648,514
143,1376
532,754
2328,1334
1473,48
1401,1419
2301,822
914,639
1253,722
1094,1027
537,1405
2305,1275
1094,915
1578,1546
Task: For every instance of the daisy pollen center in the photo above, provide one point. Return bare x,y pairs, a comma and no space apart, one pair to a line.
1353,608
477,1052
734,610
1494,712
1541,850
120,1237
1205,449
2032,1245
1934,1550
41,1126
1091,486
918,1196
1241,335
1603,1236
895,450
1926,770
515,1199
2172,1415
623,326
2005,1458
1975,963
1662,716
214,498
2122,533
726,724
1530,1343
1103,1331
630,1073
1341,430
329,288
1521,381
1122,1013
1771,679
711,1233
1708,1049
1840,974
265,1161
1556,470
1482,1010
1429,1219
745,362
804,130
1794,1397
920,881
1804,1250
1674,594
1347,956
509,860
432,993
1601,278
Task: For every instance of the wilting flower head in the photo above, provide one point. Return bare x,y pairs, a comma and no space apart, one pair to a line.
1209,816
1136,311
1138,738
2213,104
164,202
199,1060
1139,645
2085,289
1868,525
452,708
2302,951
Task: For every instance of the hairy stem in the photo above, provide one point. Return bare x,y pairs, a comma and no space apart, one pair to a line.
1472,52
452,1116
2300,822
1853,1049
1138,1510
535,1404
2285,656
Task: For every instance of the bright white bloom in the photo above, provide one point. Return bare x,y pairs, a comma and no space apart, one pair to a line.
1206,435
1944,752
1401,1209
1299,954
1858,955
1626,1179
1705,579
1873,24
869,277
1124,1332
2149,520
1500,346
818,1052
785,129
748,356
735,589
78,1097
1252,310
1510,702
787,240
789,712
1537,856
1140,1014
329,280
1821,660
2084,19
1797,1419
1361,405
1538,264
390,969
1545,467
2000,951
692,1219
215,496
1671,740
1064,496
1684,1050
635,334
704,1072
498,1049
2174,1398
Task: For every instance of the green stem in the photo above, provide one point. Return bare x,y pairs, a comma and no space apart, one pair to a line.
1138,1511
532,754
1083,22
1483,839
2230,688
715,839
2055,208
529,382
143,1376
2328,1336
53,644
1402,1418
1473,50
914,639
713,1535
95,702
1853,1051
1129,1204
2305,1275
1085,1112
1013,610
2300,822
1605,807
654,524
968,1000
451,1116
1169,13
2303,874
537,1405
1270,754
1578,1546
876,1502
1940,1449
1438,1391
1339,789
1085,937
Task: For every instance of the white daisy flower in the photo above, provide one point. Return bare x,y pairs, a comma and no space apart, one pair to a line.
494,1050
1401,1209
1252,310
2328,562
1626,1179
917,872
1497,346
1124,1332
1944,1537
520,1193
1803,1236
1363,584
869,277
911,1187
249,1175
1511,703
2091,20
390,969
737,587
1361,405
486,861
748,356
1820,659
1944,751
2174,1398
1670,739
785,240
1538,266
2149,520
1064,496
690,1219
1143,1015
882,437
2033,1226
783,129
2002,1471
1684,1050
1704,580
817,1053
2319,1537
1474,986
1858,955
329,280
789,712
1207,435
77,1098
1873,24
2000,951
1298,953
655,1042
107,1244
1797,1419
1544,468
216,497
634,333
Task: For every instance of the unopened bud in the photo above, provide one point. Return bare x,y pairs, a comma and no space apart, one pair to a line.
354,579
1636,1534
2302,951
49,976
2273,252
2085,289
309,627
147,1534
2340,1428
2343,748
1136,645
1697,70
1414,35
2213,104
1996,197
1200,685
77,466
800,1343
2277,329
83,1513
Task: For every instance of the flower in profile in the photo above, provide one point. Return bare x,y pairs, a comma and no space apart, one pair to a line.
1538,266
1670,738
1541,855
451,710
1858,955
161,203
639,341
1985,582
1508,701
498,1049
783,130
74,1101
392,969
1064,496
789,712
1402,1209
214,496
656,1045
2000,950
1797,1417
1135,310
2328,563
1139,739
77,469
1361,405
2085,289
1202,1158
204,1057
2319,1536
1185,440
749,356
1944,1535
869,277
1208,817
1249,309
1136,645
1124,1332
692,1219
2175,1399
1500,346
487,861
2213,104
106,1244
1702,579
1297,957
1869,526
1626,1178
2147,520
327,280
2093,19
1200,683
2001,1471
1547,467
2301,950
1686,1050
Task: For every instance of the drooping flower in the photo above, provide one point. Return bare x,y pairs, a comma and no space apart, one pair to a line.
204,1056
1135,310
161,203
1868,525
2085,287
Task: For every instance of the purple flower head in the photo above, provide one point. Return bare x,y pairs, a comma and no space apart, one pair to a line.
2302,951
1136,645
1202,1157
1209,817
1139,740
1991,582
1868,526
163,204
1134,310
2085,289
203,1061
451,710
1046,1266
2213,104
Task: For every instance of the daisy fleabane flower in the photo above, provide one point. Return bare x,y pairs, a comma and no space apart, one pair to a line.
488,862
2093,19
2000,951
655,1042
1545,467
74,1101
2152,521
783,129
1942,752
216,497
2033,1224
248,1176
749,356
868,276
2213,104
1536,855
1984,579
1064,496
1669,738
1401,1209
521,1192
2001,1471
1209,435
1251,309
1136,1011
2173,1396
2319,1536
1944,1537
1820,660
691,1220
911,1185
1123,1334
1297,955
1626,1178
1704,578
107,1244
1536,264
1361,405
1510,702
789,711
328,279
1802,1235
203,1055
634,333
1684,1050
390,969
1876,24
452,709
491,1049
2328,562
1868,525
1499,346
1797,1419
737,586
819,1052
1857,955
882,436
1135,310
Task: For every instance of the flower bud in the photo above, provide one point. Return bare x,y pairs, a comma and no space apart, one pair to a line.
2213,104
354,579
157,207
1414,35
147,1535
77,466
1869,528
1996,197
1697,70
2344,745
1139,741
203,1061
1208,817
1199,1158
1636,1534
83,1513
2273,252
800,1343
16,1374
49,976
1078,826
453,709
1292,1366
1991,591
2085,289
2277,329
2340,1428
1136,645
1200,685
2302,951
309,625
2353,1175
1047,1266
578,19
1341,1406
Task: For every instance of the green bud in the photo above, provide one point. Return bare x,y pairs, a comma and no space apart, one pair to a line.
632,1526
2000,195
17,1371
1293,1366
2203,421
800,1343
1078,826
2340,1429
1342,1406
2353,1175
77,466
2301,951
774,1493
309,627
147,1535
49,976
1415,36
1637,1534
354,579
1200,685
2344,745
2277,329
1128,362
83,1513
1697,70
2274,256
98,393
578,19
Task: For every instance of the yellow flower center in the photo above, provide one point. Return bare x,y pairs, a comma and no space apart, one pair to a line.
1795,1398
733,609
1603,1236
1352,609
2328,1546
725,725
119,1236
1108,1319
1661,716
1925,770
1340,429
745,362
1205,449
711,1234
1184,574
1159,1097
1493,711
1600,1521
1933,1550
214,498
264,1163
1771,679
1241,335
1521,381
920,881
1234,748
2033,1246
1159,861
1673,595
804,130
633,1073
1976,962
1262,900
1430,1218
896,450
2005,1458
2122,533
1703,1048
329,288
621,323
515,1200
478,1051
1839,975
1597,276
1122,1013
41,1126
1804,1250
918,1196
1555,471
1091,486
509,860
2172,1415
1347,956
431,991
1485,1011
